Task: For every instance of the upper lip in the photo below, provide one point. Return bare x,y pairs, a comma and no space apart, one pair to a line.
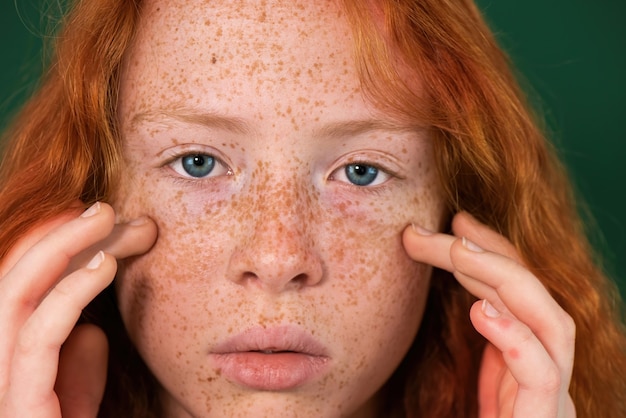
276,339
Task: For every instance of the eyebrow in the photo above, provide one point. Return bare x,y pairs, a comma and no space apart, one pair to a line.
333,130
336,130
208,119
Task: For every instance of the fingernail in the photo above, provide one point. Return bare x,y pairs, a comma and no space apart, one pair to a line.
94,209
489,310
421,231
139,221
471,246
96,261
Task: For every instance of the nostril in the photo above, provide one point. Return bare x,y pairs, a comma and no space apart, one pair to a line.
300,279
296,282
249,275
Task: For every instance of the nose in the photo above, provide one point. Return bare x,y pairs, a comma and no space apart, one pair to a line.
277,251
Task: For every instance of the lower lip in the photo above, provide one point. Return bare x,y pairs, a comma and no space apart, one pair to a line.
270,372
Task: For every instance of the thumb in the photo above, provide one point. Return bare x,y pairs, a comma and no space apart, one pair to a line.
82,372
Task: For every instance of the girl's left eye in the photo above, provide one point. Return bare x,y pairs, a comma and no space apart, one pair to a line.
198,166
360,174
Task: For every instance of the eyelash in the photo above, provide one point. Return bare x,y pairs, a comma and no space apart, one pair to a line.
178,159
380,171
375,190
185,177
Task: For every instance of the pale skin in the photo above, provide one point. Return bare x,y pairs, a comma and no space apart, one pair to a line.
281,231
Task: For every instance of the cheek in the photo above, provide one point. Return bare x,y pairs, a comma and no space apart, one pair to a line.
188,253
363,237
374,298
168,298
376,294
377,288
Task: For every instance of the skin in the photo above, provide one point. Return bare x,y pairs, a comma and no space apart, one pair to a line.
527,365
276,236
46,280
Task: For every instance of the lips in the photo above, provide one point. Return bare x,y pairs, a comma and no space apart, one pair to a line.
271,359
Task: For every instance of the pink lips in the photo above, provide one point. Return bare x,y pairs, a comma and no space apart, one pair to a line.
271,359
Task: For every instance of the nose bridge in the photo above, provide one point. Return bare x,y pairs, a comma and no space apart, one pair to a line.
279,249
283,204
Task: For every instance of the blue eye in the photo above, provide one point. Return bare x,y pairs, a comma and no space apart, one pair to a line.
198,165
361,174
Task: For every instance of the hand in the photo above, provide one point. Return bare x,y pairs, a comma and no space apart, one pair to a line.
527,364
46,280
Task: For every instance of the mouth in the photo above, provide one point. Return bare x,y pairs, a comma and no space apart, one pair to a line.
271,359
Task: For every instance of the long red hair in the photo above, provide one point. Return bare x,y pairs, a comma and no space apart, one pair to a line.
492,157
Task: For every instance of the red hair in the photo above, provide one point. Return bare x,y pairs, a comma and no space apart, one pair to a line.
492,157
495,163
63,146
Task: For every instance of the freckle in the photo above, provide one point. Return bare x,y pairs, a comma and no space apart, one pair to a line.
505,323
514,353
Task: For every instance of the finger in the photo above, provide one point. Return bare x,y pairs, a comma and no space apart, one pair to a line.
520,293
428,247
36,272
423,244
433,248
34,236
501,280
465,225
130,239
41,265
538,377
82,372
570,408
35,359
125,240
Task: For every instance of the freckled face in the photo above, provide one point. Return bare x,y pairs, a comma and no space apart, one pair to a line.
280,196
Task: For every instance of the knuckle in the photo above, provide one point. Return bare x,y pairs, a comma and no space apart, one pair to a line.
14,299
568,326
564,330
550,382
26,343
525,335
62,291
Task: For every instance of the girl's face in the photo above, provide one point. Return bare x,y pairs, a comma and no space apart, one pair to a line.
278,285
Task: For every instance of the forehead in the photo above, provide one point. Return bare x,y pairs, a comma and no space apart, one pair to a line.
187,49
245,29
262,11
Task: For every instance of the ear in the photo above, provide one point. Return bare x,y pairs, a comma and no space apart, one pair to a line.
495,385
82,374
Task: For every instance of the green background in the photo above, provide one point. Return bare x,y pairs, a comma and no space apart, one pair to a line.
572,54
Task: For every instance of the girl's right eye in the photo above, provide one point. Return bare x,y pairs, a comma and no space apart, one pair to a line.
198,166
